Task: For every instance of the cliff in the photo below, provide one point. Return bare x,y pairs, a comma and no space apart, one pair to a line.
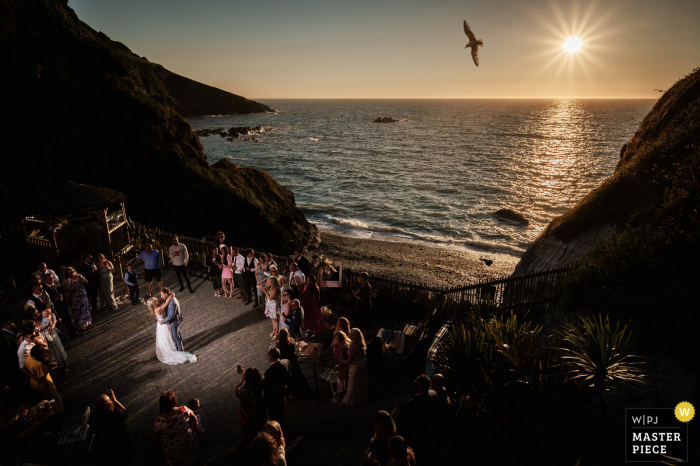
655,175
637,236
77,105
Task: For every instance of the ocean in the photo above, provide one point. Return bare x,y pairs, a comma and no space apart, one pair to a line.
440,173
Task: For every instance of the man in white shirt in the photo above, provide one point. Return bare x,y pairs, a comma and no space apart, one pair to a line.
43,270
180,258
39,298
238,266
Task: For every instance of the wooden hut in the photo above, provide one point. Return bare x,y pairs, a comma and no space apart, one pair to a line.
67,221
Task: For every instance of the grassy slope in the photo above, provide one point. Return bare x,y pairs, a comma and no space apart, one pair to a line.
85,108
648,270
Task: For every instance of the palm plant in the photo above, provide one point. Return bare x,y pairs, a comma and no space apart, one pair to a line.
597,357
521,348
466,356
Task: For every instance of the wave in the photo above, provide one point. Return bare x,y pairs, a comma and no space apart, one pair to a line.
312,208
474,244
236,158
313,139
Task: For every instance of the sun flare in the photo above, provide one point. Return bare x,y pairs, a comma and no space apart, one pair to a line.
572,44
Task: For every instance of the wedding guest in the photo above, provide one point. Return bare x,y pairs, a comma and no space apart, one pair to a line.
261,276
341,347
174,431
249,277
43,270
310,298
302,262
39,299
132,281
238,268
270,262
56,296
37,364
437,383
401,453
252,414
221,243
80,305
274,385
194,406
215,272
274,429
296,278
288,350
294,317
416,420
9,360
55,345
357,375
363,303
384,429
272,303
152,262
88,269
180,257
227,271
285,305
108,423
105,269
263,451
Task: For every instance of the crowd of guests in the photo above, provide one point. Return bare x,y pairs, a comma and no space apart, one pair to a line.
289,296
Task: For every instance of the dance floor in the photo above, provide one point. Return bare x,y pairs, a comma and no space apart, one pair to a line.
119,354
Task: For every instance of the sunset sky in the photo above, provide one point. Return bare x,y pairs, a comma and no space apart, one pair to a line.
410,49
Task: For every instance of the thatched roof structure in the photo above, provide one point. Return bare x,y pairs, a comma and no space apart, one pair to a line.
71,198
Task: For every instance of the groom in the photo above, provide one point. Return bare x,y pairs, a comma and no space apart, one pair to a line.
174,318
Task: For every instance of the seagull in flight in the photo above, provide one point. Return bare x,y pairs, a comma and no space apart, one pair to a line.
660,90
473,43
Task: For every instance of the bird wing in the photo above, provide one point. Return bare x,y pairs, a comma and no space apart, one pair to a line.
468,32
475,55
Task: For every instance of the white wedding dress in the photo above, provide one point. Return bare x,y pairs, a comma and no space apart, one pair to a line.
166,349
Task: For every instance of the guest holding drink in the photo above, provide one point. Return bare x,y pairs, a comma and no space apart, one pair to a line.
174,431
261,275
272,304
215,272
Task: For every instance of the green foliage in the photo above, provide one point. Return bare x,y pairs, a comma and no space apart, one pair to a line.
597,357
197,260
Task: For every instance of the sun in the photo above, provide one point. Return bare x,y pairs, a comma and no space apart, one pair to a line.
572,44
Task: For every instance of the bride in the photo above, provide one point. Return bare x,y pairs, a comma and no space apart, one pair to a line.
165,345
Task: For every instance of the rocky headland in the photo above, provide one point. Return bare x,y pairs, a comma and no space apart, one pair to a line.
77,105
636,241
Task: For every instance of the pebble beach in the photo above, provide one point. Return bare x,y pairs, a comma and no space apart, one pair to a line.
431,265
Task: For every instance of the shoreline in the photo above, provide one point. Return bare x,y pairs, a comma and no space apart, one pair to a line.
432,265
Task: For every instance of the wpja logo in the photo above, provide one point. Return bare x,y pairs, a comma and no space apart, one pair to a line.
657,434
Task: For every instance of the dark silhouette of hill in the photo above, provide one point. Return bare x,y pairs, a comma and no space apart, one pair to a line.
77,105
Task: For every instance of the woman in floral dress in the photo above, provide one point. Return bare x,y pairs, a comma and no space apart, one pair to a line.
80,304
272,305
174,431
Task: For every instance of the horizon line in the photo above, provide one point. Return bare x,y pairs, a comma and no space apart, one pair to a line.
453,98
